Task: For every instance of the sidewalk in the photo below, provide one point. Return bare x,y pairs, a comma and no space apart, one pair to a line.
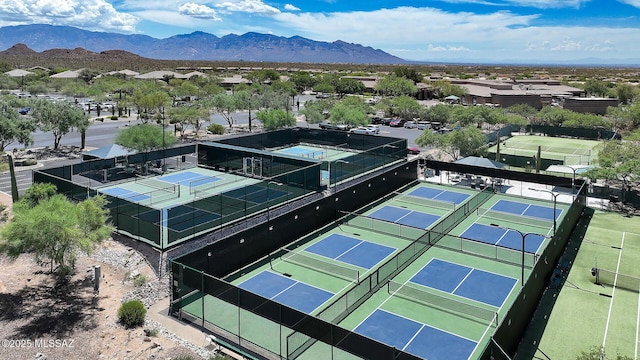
159,312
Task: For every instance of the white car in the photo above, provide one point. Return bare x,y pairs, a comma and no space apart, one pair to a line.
374,128
410,125
362,130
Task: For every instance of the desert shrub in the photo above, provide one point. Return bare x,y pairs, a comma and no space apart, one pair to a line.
114,117
139,280
131,313
29,162
151,332
184,357
216,129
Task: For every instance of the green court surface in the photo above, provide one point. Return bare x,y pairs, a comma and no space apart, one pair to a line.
332,262
571,151
589,315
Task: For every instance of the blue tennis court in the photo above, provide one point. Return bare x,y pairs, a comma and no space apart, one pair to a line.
286,291
125,194
353,251
440,195
414,337
404,216
256,194
523,209
186,178
475,284
503,237
304,151
183,217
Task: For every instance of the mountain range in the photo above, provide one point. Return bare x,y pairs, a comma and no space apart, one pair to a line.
198,45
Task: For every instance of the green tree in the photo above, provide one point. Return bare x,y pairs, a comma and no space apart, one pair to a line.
275,119
392,85
263,76
13,128
342,113
406,107
596,87
349,86
408,73
187,116
59,118
223,104
36,193
439,113
56,230
314,111
303,80
463,142
324,87
443,88
626,93
144,138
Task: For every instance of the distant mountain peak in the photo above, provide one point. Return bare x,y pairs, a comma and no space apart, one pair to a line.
198,45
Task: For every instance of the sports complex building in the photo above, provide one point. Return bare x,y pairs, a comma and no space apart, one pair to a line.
313,244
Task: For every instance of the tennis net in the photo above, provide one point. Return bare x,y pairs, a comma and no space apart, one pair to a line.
445,303
158,184
316,264
446,205
202,184
381,226
618,280
516,219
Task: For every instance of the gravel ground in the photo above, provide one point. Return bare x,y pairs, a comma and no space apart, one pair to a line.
41,321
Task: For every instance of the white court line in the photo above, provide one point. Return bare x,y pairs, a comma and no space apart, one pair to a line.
635,356
613,291
460,283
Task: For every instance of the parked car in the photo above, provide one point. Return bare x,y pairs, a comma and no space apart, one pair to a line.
410,125
413,150
386,121
24,111
374,128
396,123
330,126
362,130
423,126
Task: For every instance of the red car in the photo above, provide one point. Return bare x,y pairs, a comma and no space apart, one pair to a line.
397,123
413,150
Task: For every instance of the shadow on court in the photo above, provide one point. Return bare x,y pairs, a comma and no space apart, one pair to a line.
529,346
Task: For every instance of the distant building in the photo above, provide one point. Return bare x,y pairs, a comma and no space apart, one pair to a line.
590,105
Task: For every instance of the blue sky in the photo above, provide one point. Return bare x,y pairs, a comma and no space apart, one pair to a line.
525,31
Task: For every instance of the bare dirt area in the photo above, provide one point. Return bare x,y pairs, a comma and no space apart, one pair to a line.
41,320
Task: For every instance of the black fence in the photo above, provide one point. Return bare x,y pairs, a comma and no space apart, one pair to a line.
506,338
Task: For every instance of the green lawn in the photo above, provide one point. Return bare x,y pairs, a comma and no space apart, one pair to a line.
571,151
587,314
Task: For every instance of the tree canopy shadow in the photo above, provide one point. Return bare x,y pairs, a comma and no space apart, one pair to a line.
61,309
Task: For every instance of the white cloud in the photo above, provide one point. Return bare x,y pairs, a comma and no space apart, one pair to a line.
634,3
249,6
427,33
541,4
291,7
90,14
198,11
446,48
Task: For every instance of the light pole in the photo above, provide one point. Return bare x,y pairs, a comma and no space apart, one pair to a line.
573,179
335,178
523,235
555,196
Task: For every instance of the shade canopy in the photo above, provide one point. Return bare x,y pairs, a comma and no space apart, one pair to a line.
481,162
